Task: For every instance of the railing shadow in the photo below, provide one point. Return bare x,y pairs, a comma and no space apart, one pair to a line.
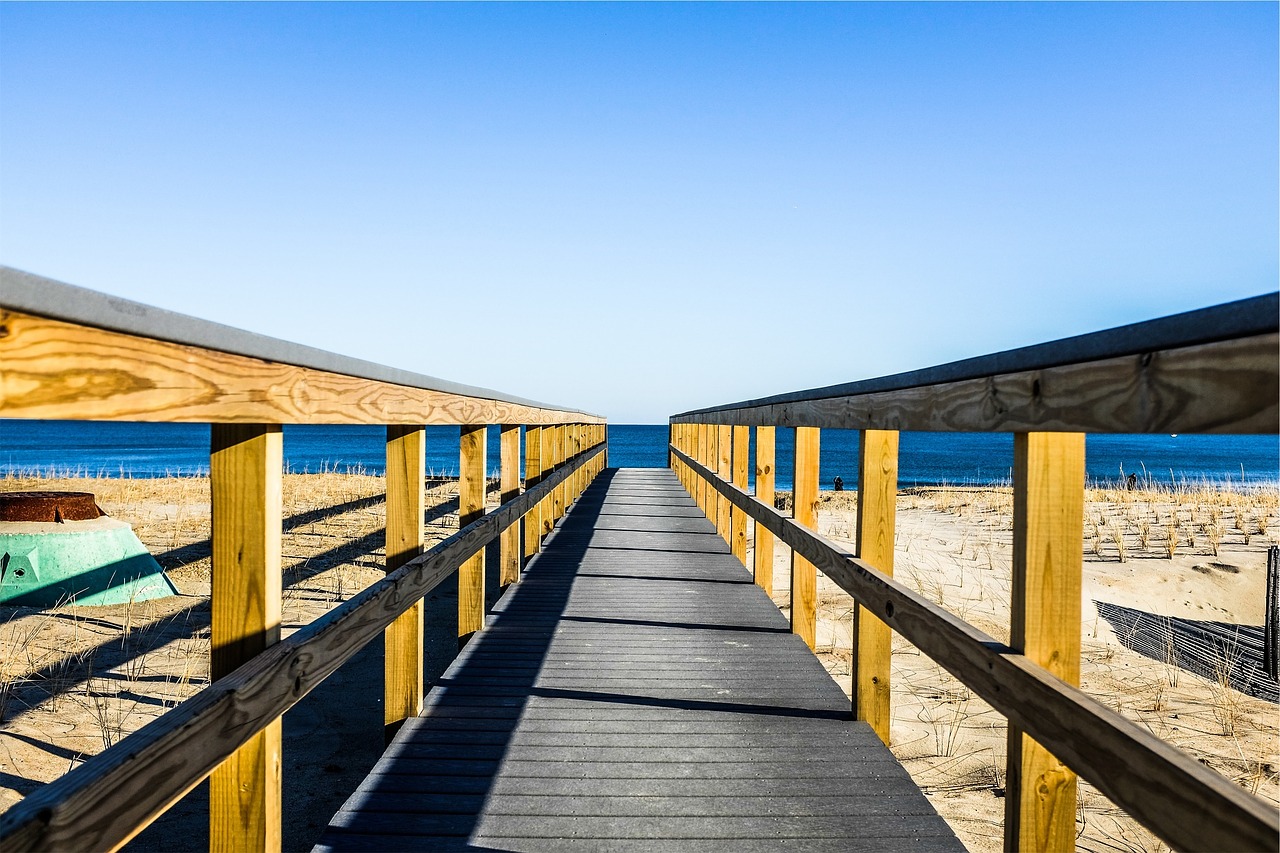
514,643
431,789
26,690
1225,653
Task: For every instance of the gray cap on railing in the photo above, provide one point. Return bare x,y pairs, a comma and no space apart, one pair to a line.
1258,315
33,294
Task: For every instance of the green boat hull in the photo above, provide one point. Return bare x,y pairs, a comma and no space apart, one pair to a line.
96,562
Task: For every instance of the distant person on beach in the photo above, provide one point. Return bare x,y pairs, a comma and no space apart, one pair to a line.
1132,482
839,484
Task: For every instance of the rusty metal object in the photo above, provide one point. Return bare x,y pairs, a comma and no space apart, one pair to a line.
48,506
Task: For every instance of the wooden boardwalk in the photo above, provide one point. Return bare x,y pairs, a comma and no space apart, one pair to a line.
636,691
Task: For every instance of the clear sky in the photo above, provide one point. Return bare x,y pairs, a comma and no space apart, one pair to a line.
642,209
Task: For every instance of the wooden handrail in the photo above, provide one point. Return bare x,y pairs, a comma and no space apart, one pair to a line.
67,353
1208,371
109,798
1181,801
1211,371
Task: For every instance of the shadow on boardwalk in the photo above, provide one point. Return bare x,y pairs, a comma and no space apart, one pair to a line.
636,691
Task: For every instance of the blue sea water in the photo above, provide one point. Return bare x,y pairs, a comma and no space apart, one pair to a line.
150,450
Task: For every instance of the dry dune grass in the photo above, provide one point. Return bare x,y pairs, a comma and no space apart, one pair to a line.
1195,555
75,680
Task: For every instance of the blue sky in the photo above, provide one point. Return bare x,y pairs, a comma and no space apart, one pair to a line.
641,209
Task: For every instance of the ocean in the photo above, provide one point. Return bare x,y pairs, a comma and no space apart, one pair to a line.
154,450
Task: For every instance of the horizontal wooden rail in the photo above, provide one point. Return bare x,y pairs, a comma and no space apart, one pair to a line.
67,353
1184,803
104,802
1210,371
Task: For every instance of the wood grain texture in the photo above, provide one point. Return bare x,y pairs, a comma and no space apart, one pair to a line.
877,514
532,476
246,462
724,468
1048,512
691,449
56,370
546,508
712,454
472,454
765,478
1187,805
700,449
102,803
738,518
403,686
509,542
804,577
1226,387
558,455
576,445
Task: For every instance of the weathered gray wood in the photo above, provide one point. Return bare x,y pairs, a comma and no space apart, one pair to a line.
635,686
1183,802
1188,372
355,842
1225,387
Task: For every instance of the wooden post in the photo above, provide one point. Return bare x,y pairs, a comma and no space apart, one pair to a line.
546,507
580,445
712,452
709,455
764,493
472,449
1271,619
532,476
557,451
738,518
724,467
877,513
509,543
686,445
403,686
1048,512
700,454
570,447
804,577
245,466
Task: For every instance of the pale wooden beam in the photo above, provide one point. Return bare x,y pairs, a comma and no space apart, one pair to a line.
558,448
700,454
57,370
509,542
877,514
1048,522
532,476
245,466
472,449
547,459
804,577
764,492
724,468
403,639
738,518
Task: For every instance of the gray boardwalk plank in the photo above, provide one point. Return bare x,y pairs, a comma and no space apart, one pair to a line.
635,691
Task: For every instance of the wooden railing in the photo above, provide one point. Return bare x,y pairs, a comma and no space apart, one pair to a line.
69,353
1210,371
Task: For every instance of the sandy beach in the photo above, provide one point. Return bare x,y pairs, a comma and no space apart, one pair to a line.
78,679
